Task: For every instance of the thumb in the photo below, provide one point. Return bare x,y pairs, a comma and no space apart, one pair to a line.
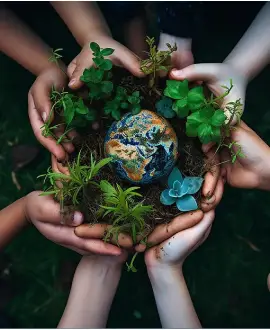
49,211
204,72
41,98
77,68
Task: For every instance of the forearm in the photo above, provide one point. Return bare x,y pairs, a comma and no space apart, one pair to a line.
84,19
252,53
93,289
12,220
172,297
23,46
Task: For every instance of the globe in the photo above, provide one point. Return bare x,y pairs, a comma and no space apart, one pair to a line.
143,147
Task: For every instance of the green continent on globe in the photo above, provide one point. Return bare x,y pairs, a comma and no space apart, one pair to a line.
144,147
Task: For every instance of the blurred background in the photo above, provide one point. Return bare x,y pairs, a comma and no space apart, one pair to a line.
226,276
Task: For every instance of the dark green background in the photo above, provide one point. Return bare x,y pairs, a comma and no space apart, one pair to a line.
226,277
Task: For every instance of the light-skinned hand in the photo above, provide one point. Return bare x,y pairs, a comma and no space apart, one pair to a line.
173,251
44,213
181,58
216,75
122,57
253,170
39,107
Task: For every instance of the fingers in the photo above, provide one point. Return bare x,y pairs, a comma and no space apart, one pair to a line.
65,236
165,231
130,62
68,146
182,59
204,72
212,203
36,123
77,67
58,167
99,231
212,176
41,98
48,210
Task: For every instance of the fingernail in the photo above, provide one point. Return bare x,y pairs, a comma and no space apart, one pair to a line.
44,116
72,82
77,218
177,73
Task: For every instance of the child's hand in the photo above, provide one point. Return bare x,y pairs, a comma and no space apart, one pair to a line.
216,75
39,107
44,213
253,170
122,56
174,250
183,57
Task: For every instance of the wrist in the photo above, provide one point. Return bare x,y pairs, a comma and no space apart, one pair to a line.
237,70
96,37
264,178
103,263
165,273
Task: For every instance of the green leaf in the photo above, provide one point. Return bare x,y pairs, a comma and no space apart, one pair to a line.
95,47
91,115
103,162
218,118
116,114
92,75
106,187
205,133
98,61
176,89
191,131
106,87
124,105
195,98
110,106
121,91
69,110
81,108
180,107
107,51
106,65
207,113
195,119
216,135
136,93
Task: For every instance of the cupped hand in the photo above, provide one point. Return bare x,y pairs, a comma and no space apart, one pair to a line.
173,251
215,76
253,169
122,57
39,107
181,58
44,213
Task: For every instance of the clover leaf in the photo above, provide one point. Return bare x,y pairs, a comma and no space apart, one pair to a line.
180,191
206,124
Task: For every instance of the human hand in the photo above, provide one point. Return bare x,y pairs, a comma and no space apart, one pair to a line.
122,57
181,58
215,76
173,251
253,170
39,107
44,213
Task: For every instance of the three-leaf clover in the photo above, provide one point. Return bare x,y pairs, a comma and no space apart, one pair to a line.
180,191
206,124
164,107
186,100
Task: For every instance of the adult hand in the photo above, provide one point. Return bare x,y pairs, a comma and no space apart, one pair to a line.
44,213
181,58
253,170
39,107
215,76
122,57
173,251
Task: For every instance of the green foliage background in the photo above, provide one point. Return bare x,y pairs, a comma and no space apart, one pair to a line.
226,277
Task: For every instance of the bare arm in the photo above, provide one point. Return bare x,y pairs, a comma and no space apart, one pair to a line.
21,44
175,307
12,220
252,53
93,289
84,19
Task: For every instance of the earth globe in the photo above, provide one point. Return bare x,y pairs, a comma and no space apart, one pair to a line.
143,147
